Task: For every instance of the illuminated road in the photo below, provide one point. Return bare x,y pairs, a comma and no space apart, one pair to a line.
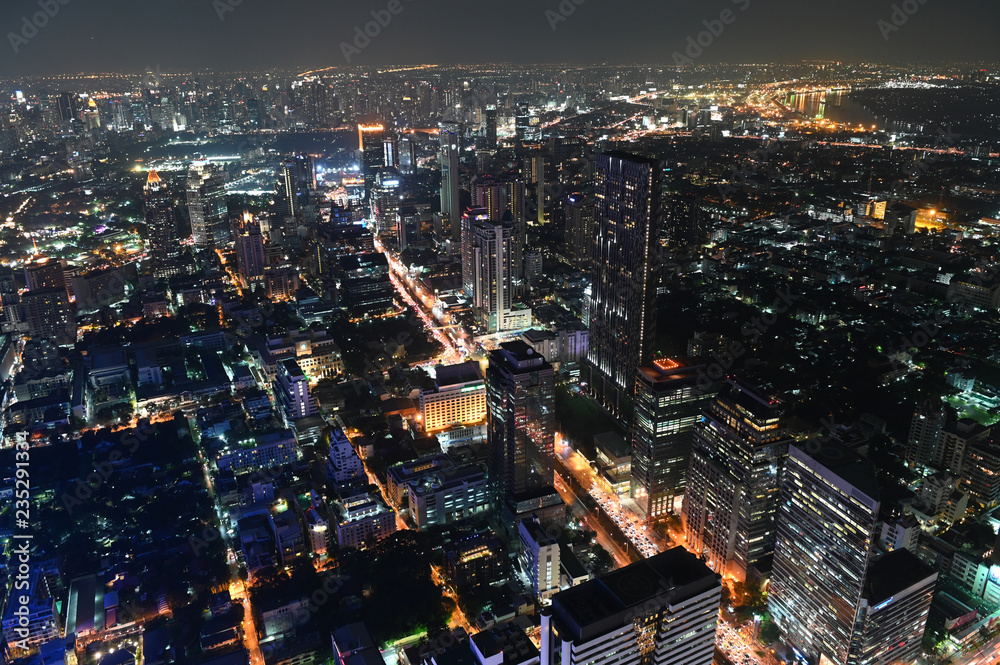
458,618
577,507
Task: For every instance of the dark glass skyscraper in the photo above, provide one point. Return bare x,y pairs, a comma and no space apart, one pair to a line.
206,199
734,481
160,218
826,528
520,400
668,403
627,193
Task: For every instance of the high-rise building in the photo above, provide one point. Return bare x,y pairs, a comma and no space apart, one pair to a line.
981,472
45,273
250,261
493,286
385,201
579,231
622,320
206,199
826,529
49,314
659,611
899,589
490,130
407,163
668,403
470,218
520,400
733,481
159,217
448,154
685,224
539,559
292,390
928,422
371,145
504,199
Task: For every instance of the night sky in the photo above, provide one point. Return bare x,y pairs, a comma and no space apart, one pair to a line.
186,35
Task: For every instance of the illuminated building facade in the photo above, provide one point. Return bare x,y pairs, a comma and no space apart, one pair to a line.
627,192
668,403
826,528
371,140
458,398
159,216
451,144
738,453
206,199
659,611
250,262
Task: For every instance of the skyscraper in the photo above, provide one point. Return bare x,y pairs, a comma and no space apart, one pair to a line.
734,481
492,256
504,199
470,218
451,144
622,322
372,148
491,128
520,400
579,231
160,218
659,611
668,403
45,273
206,199
250,261
826,528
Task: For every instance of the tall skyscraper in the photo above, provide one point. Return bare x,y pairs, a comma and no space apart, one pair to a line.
659,611
622,320
385,201
160,220
926,427
491,128
250,260
520,400
451,144
668,403
470,218
371,145
492,264
899,589
826,528
734,481
579,231
48,314
206,199
504,199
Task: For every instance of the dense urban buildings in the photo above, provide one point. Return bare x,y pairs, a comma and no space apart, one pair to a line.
500,364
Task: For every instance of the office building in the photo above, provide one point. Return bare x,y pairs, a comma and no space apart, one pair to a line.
733,481
826,529
385,201
470,218
668,403
579,235
371,144
457,398
893,617
448,155
493,274
250,260
206,200
520,395
622,321
159,216
659,611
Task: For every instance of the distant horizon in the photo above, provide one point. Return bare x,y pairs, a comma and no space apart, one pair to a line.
41,36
